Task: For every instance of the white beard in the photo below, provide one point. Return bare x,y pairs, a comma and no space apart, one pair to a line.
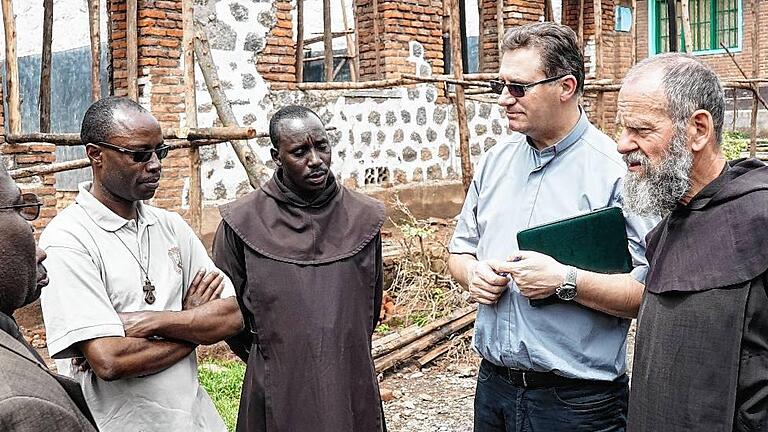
655,190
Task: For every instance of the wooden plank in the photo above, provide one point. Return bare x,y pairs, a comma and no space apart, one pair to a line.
44,99
94,28
687,34
132,48
195,215
13,97
460,101
299,41
254,167
350,43
327,41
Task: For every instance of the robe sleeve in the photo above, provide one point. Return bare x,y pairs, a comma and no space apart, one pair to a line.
379,284
229,257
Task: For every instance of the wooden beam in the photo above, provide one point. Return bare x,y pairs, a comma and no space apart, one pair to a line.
360,85
549,14
311,59
254,167
580,26
194,134
95,32
499,25
195,215
672,25
299,41
633,32
687,34
376,36
480,37
327,41
132,48
334,35
13,97
44,100
350,43
464,83
755,73
461,108
598,16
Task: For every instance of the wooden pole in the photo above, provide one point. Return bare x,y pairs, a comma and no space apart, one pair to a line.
480,37
190,108
548,12
350,43
95,30
755,73
299,41
376,36
687,34
580,26
633,54
672,24
327,41
196,134
44,101
132,48
598,10
461,109
11,68
499,25
254,167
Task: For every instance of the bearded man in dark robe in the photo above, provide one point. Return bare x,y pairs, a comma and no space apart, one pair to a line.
701,353
304,254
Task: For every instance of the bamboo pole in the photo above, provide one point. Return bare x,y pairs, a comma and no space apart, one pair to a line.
376,36
327,41
11,68
687,34
254,167
461,108
755,73
299,41
350,44
131,49
633,53
195,214
44,100
95,32
598,15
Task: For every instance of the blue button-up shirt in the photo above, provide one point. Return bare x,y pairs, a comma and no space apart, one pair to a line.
516,187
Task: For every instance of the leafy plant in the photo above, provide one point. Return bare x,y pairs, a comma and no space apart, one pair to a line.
223,381
382,329
734,143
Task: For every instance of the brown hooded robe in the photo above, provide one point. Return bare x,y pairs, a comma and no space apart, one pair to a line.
701,352
309,282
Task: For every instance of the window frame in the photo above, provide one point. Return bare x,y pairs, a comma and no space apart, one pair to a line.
653,47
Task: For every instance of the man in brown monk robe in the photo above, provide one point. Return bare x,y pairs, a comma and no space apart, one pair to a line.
304,254
701,353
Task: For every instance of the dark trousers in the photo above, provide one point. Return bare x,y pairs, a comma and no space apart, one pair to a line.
588,406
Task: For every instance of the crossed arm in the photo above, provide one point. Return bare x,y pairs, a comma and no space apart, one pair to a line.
204,319
537,276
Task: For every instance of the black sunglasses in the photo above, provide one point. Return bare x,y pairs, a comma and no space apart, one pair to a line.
29,208
139,156
518,90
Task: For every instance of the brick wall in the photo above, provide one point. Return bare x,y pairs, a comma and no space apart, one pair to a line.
161,88
516,12
277,63
399,23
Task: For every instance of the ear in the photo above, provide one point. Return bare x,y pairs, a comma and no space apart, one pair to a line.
568,86
94,154
701,130
274,153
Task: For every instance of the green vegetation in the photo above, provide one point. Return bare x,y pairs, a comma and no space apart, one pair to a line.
734,143
223,381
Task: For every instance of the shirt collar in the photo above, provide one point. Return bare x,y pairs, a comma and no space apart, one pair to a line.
105,218
547,154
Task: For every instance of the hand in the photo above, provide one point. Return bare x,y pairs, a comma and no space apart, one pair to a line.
80,364
485,285
537,275
204,288
137,324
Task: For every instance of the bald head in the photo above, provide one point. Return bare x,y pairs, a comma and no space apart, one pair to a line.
688,85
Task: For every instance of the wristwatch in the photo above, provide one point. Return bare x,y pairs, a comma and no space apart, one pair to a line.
567,291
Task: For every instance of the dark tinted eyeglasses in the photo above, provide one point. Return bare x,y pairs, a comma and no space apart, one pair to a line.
518,90
29,208
139,156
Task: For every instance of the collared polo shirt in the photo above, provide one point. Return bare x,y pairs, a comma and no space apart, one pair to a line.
94,274
516,187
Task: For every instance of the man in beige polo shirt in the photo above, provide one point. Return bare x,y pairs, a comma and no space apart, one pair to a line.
127,293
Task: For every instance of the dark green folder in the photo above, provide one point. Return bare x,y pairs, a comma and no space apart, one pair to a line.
595,241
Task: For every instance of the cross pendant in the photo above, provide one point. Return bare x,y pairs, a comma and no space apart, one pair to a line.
149,292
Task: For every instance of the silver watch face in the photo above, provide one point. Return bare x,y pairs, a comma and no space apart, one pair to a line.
566,292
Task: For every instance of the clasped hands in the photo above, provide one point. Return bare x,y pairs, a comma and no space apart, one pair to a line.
535,274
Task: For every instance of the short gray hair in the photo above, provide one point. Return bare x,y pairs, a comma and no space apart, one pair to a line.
560,52
689,85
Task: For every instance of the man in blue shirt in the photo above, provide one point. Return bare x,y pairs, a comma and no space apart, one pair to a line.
560,367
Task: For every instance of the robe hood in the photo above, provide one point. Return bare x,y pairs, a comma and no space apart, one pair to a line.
278,224
719,237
